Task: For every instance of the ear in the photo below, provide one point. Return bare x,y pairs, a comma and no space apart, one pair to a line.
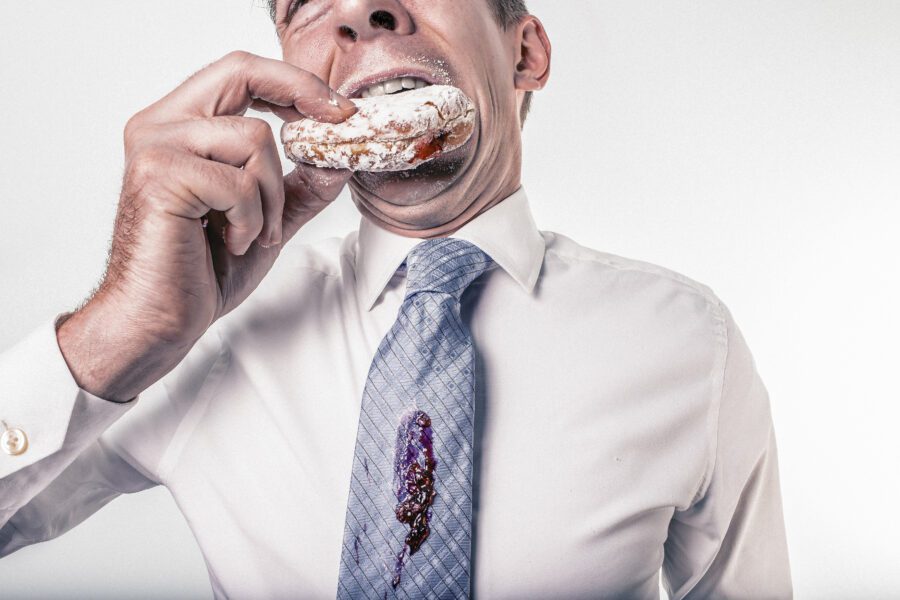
532,55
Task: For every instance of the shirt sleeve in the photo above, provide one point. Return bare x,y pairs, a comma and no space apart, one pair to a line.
731,542
82,450
50,464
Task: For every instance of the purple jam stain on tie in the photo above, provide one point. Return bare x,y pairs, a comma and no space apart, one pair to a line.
414,466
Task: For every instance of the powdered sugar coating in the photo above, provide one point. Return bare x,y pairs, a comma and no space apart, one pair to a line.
388,133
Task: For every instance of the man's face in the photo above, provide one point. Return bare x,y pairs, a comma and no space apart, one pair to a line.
354,44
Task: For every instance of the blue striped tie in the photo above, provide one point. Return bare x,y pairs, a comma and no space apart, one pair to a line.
408,527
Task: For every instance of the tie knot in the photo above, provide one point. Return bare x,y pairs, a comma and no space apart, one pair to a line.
445,265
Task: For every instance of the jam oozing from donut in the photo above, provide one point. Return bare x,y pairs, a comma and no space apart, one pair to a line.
414,466
430,148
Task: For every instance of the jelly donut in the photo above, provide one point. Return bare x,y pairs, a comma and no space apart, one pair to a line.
393,132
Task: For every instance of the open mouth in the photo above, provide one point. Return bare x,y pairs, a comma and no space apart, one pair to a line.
394,86
390,83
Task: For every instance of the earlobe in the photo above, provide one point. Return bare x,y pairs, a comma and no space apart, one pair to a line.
532,56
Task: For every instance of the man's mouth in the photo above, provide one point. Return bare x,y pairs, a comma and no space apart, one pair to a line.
390,83
407,187
394,86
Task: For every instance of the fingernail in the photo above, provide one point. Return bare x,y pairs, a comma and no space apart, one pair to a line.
324,110
279,232
273,239
268,244
233,246
341,102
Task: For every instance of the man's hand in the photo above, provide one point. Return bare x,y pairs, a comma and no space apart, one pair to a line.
189,157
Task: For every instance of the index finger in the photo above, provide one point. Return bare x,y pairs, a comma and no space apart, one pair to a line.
232,83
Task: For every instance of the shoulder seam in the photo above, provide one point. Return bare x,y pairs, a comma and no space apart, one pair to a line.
717,310
718,395
698,287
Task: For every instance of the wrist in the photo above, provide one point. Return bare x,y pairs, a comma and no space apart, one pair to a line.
109,356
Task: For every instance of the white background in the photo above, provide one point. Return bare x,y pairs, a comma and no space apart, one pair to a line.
753,146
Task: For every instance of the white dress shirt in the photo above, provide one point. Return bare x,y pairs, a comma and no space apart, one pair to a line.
622,431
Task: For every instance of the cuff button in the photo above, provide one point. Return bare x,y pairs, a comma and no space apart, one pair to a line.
13,441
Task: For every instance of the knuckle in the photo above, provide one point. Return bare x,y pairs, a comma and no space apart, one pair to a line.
236,59
131,128
258,131
236,55
147,164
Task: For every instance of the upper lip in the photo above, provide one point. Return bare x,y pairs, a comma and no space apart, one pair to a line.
355,89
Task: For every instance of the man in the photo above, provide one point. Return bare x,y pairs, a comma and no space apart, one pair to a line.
616,427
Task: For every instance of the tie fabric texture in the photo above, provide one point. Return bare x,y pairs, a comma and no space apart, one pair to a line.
408,526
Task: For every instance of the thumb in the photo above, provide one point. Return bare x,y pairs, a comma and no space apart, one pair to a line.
307,191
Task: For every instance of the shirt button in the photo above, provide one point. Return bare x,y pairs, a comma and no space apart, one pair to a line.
13,441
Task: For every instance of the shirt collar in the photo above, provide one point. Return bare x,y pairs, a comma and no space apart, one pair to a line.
506,231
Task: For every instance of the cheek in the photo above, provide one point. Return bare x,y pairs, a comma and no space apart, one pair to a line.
314,53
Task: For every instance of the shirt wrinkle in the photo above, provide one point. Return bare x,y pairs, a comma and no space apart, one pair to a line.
604,402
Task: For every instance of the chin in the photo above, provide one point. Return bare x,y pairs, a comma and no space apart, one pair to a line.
422,184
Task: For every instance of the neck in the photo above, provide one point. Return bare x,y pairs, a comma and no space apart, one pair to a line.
442,215
442,230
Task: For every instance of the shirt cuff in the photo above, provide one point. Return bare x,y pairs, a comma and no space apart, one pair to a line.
41,405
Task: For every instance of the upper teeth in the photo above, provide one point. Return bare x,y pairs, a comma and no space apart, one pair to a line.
392,86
